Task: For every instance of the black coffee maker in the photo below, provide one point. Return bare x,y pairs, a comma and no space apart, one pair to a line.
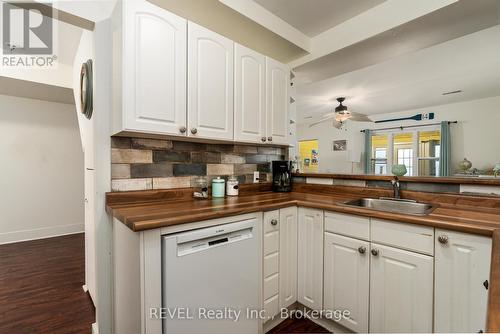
282,176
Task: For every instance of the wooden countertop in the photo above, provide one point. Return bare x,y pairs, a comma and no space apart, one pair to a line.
472,214
144,216
489,181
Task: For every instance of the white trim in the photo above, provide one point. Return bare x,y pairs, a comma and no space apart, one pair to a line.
317,180
40,233
268,20
479,189
95,328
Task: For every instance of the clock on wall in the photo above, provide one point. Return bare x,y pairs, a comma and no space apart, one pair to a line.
86,89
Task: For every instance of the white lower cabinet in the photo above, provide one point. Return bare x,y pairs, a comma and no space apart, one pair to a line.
280,260
271,230
462,271
310,258
288,257
347,279
401,290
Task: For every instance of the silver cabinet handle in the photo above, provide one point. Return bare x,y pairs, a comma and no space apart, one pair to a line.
375,252
263,139
443,239
362,249
194,131
182,129
274,222
269,138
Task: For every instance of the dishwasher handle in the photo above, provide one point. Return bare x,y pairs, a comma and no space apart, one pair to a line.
213,231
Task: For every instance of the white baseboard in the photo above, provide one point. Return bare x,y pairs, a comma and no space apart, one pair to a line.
40,233
95,328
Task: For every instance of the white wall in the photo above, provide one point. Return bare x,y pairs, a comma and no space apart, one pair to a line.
475,137
41,176
85,51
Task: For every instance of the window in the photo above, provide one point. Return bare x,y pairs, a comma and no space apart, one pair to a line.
403,150
405,157
379,154
418,150
429,146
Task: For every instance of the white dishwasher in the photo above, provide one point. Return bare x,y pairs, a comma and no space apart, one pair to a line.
208,276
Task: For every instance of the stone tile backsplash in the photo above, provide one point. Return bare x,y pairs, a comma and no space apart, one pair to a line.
143,164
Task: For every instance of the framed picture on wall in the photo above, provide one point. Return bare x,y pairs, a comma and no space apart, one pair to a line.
340,145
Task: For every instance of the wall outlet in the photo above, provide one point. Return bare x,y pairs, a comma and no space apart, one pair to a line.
256,177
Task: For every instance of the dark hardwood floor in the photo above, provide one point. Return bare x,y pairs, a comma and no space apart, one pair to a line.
297,326
41,287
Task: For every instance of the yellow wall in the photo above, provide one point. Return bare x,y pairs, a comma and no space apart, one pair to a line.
306,148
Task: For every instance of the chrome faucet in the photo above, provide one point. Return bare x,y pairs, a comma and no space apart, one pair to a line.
397,187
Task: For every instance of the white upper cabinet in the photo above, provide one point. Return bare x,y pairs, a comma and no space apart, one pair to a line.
249,95
347,279
401,291
278,81
310,258
462,271
210,84
153,72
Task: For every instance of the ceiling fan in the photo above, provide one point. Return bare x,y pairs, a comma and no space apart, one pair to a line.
341,115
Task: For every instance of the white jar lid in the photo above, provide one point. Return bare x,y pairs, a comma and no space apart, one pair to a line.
218,180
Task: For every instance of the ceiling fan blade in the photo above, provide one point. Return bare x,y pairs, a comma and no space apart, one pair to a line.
322,120
359,117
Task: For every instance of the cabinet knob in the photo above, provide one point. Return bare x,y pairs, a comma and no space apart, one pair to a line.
375,252
263,139
182,129
362,249
274,222
443,239
269,138
194,131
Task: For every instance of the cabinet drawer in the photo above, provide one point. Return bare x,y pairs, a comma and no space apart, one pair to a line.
271,286
349,225
405,236
271,221
271,243
271,264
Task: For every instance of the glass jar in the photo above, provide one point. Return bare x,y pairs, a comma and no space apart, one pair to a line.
232,186
218,187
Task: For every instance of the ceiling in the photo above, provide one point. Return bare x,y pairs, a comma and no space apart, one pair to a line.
452,21
316,16
68,39
413,80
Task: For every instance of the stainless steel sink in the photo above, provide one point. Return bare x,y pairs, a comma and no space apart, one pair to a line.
404,206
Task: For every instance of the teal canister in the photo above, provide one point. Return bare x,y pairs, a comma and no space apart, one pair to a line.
218,187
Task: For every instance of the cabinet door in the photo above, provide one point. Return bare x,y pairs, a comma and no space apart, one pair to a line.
210,84
347,279
90,233
249,95
462,265
278,80
310,258
271,253
401,291
288,256
154,69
